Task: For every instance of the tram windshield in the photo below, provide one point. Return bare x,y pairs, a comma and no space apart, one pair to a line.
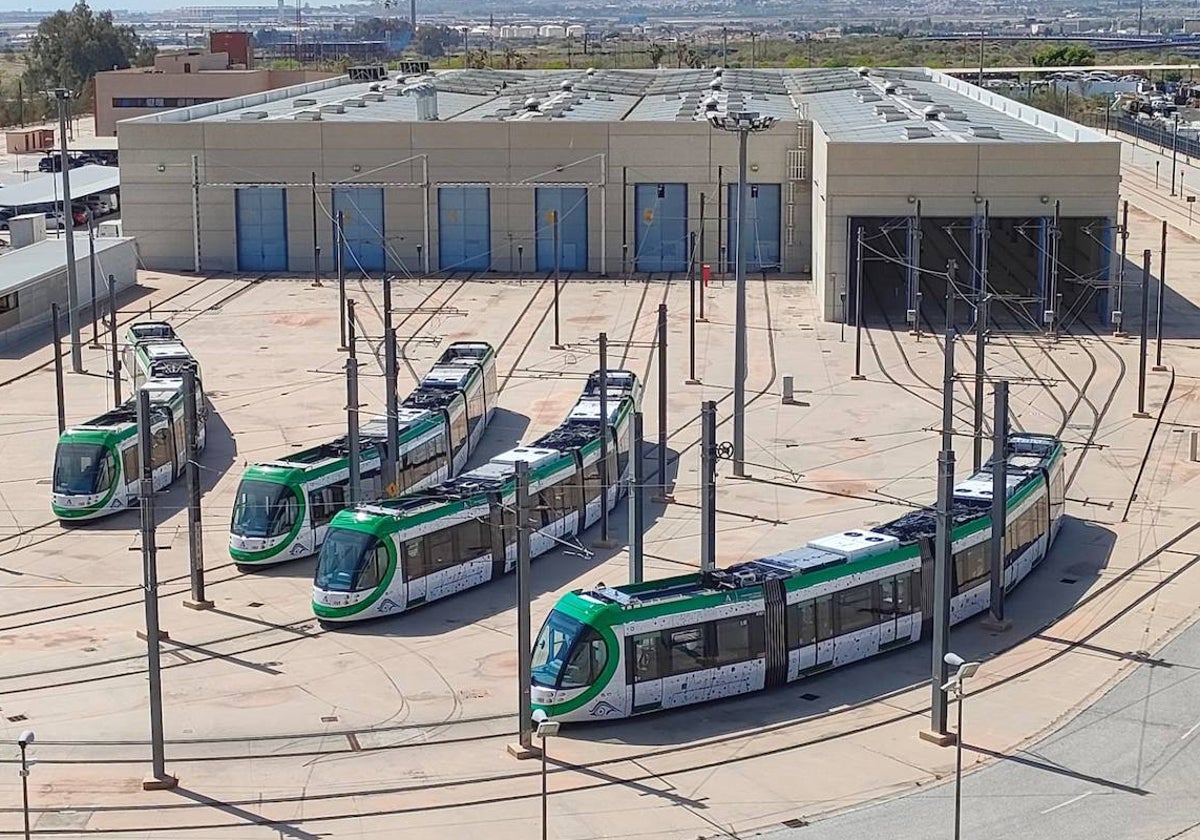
567,654
83,469
263,509
351,561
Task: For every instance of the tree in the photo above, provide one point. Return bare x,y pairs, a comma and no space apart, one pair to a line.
433,40
379,29
1066,55
69,48
656,52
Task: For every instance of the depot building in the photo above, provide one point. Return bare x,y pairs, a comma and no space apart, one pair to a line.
490,173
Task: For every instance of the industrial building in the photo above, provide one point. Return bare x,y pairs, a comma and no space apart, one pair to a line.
482,171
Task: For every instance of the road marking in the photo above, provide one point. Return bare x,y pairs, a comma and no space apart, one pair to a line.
1070,801
1190,732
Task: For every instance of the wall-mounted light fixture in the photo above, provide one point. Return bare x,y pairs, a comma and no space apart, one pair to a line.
1045,199
912,199
357,167
162,167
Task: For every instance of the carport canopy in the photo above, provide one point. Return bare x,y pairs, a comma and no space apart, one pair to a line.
47,189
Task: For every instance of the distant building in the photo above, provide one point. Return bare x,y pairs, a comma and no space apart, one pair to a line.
187,77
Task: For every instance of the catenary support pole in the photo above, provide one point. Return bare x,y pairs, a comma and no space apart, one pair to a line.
999,498
941,592
316,244
703,287
557,280
524,634
948,373
1162,290
60,399
196,262
92,277
191,435
355,494
340,260
1142,349
981,319
858,296
159,779
62,95
663,388
637,503
1118,331
692,272
739,329
1055,243
606,479
391,472
112,340
708,486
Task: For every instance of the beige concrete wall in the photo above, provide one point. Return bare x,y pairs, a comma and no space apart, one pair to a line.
952,180
157,204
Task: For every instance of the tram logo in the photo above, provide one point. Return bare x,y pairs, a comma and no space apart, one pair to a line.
605,709
388,605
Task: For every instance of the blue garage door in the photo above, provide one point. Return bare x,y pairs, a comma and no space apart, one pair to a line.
570,203
762,224
464,229
261,228
661,243
362,227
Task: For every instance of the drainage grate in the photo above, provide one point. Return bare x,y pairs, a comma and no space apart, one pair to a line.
810,697
255,604
17,718
795,822
1068,580
329,718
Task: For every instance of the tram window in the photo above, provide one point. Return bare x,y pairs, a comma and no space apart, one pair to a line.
823,609
472,539
887,599
160,448
458,429
414,563
441,550
733,640
622,453
326,501
587,662
685,648
906,593
591,481
373,570
792,619
129,463
508,524
802,626
855,608
645,656
971,567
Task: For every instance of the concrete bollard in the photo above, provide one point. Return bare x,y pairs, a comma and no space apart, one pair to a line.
1196,446
788,392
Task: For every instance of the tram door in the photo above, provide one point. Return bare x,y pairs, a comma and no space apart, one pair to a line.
646,658
412,559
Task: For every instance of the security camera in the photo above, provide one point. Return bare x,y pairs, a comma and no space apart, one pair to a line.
26,738
953,660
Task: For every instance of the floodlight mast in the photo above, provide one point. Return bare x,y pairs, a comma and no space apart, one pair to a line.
743,123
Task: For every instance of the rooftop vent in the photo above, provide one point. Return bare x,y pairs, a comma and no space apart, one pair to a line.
304,102
591,71
715,84
892,116
930,112
308,116
864,71
917,132
532,104
718,72
333,108
711,104
867,96
566,84
953,114
372,97
253,115
988,131
890,87
918,96
356,103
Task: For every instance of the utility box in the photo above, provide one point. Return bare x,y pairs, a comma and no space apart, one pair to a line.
27,230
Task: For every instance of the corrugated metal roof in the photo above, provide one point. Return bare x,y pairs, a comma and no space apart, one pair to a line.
45,189
22,267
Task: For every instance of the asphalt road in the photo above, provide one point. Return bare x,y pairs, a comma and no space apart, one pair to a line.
1128,767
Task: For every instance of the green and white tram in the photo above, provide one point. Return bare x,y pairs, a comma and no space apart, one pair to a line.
385,558
96,465
283,508
612,652
154,351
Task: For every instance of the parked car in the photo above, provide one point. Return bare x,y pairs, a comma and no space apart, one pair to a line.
98,205
80,214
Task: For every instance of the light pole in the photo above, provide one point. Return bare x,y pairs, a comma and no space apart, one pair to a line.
545,729
957,684
743,123
61,95
24,741
1175,153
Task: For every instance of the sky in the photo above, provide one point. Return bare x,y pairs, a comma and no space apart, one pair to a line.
139,5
